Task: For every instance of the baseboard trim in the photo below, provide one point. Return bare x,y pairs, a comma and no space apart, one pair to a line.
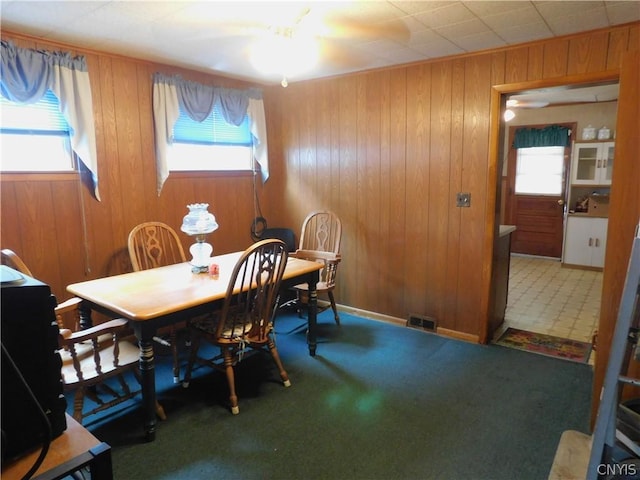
581,267
445,332
467,337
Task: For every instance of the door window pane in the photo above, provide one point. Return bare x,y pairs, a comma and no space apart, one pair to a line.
539,171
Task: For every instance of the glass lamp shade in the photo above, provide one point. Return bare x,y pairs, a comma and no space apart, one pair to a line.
198,223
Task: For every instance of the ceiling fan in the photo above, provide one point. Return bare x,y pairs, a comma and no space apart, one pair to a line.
285,38
294,43
565,95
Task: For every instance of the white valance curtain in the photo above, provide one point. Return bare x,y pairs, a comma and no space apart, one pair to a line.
170,93
27,74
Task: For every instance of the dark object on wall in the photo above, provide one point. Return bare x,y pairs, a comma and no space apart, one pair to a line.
284,234
259,231
30,337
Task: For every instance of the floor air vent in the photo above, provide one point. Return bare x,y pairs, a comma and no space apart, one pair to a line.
428,324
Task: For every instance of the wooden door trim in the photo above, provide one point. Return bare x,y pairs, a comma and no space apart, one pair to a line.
492,218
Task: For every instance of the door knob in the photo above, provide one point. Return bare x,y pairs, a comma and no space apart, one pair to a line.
560,202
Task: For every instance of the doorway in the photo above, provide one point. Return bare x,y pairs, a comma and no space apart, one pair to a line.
530,304
536,194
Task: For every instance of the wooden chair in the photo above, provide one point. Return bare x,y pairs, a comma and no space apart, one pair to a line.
92,356
320,242
152,245
246,318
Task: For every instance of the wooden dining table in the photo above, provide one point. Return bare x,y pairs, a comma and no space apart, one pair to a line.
154,298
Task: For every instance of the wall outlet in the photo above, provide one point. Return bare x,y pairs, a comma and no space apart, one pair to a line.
463,199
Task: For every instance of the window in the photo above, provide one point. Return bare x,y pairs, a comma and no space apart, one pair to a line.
539,171
34,137
212,144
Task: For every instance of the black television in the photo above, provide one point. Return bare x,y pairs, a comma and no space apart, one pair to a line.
30,365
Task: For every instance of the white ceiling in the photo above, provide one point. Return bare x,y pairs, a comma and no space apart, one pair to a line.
215,36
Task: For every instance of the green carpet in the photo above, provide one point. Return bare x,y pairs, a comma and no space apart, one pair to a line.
378,401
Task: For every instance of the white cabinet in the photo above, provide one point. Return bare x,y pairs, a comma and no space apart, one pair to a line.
585,241
592,163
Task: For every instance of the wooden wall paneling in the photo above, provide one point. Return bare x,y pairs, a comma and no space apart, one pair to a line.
498,68
348,199
70,237
370,202
440,194
323,146
130,208
9,220
147,160
417,187
242,185
455,227
588,53
474,180
308,162
294,116
634,37
535,64
226,197
109,213
170,209
516,65
395,279
384,298
281,193
178,192
333,96
39,248
556,53
618,44
360,191
623,216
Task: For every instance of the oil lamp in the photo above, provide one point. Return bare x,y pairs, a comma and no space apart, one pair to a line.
199,223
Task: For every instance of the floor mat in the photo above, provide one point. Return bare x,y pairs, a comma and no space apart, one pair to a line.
549,345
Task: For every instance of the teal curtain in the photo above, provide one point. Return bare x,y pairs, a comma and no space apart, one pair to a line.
552,136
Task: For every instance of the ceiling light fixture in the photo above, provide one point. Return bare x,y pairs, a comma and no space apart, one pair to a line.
284,52
509,115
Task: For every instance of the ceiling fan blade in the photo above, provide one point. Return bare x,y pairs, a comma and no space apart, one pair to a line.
527,104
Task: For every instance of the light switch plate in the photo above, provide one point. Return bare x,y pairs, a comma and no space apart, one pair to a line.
463,199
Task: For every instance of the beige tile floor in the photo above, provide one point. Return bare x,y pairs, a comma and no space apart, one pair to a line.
546,298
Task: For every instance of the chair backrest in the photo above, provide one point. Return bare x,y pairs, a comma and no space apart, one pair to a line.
154,244
321,231
252,293
10,259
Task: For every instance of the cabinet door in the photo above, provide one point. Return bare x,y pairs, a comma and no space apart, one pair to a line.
598,240
585,241
577,250
606,163
592,163
585,163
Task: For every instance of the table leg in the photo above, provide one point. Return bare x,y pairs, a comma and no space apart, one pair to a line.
312,315
84,312
147,371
